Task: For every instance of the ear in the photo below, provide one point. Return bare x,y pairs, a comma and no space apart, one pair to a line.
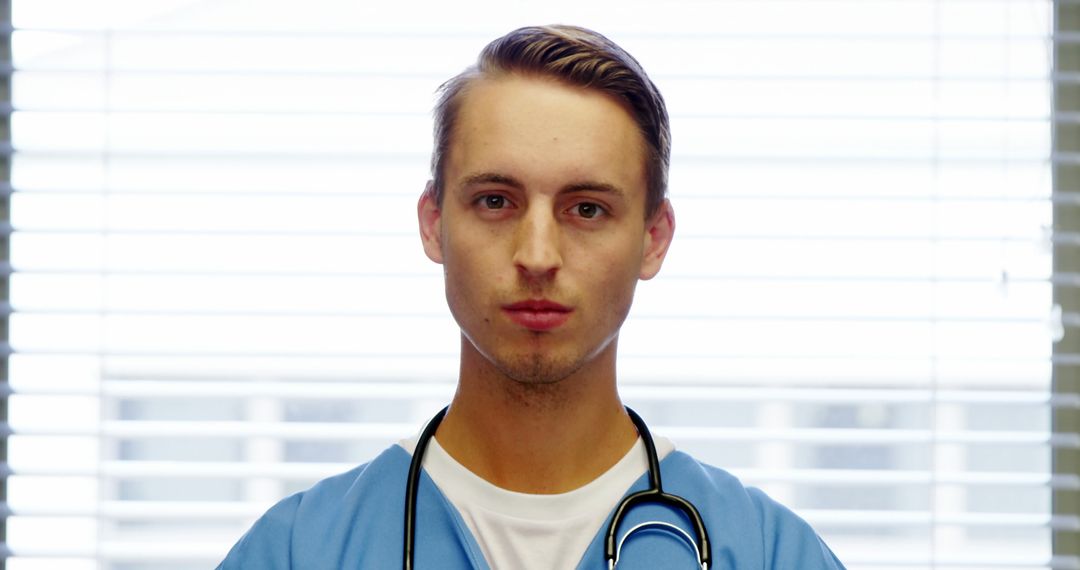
659,229
430,217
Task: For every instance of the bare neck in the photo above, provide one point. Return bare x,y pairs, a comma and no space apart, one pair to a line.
537,438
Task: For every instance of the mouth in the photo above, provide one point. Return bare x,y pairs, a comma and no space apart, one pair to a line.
538,315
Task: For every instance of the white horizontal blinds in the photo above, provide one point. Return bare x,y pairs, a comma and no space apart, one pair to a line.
219,294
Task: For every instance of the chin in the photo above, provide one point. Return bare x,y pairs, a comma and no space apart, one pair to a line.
538,369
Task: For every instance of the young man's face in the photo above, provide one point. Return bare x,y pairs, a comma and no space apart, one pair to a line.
542,230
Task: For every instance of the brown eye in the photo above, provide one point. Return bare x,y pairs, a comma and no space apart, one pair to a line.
494,202
588,210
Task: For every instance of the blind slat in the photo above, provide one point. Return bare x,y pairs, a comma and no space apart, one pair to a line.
219,387
372,430
847,478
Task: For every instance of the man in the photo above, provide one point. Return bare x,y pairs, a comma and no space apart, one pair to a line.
547,205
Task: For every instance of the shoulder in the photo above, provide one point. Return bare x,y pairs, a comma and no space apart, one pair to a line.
788,538
266,543
785,540
712,483
343,492
292,523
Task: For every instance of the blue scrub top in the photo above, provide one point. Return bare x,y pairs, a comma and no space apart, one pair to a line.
355,520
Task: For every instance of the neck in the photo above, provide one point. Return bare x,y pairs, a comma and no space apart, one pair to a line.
537,438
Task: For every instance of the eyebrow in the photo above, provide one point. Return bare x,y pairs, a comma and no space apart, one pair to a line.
492,178
584,186
595,187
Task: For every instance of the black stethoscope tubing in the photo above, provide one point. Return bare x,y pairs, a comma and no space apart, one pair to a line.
654,494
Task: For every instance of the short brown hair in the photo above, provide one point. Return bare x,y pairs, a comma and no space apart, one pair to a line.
576,56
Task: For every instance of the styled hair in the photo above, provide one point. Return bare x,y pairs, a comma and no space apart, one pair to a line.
575,56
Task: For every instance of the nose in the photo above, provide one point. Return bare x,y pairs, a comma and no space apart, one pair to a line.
537,252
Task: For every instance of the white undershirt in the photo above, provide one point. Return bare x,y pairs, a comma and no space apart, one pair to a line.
534,532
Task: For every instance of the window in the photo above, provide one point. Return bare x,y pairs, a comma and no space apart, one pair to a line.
219,296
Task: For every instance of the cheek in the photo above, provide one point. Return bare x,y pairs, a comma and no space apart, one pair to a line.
618,270
471,278
624,260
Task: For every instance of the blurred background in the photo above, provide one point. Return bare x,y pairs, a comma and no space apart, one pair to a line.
217,293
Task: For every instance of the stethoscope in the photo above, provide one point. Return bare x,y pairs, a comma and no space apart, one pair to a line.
654,494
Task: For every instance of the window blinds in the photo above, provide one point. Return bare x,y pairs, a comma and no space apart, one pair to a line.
219,295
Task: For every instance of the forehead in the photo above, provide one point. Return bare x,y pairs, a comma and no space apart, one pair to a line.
542,129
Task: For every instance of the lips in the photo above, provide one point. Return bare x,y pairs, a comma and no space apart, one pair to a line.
538,315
